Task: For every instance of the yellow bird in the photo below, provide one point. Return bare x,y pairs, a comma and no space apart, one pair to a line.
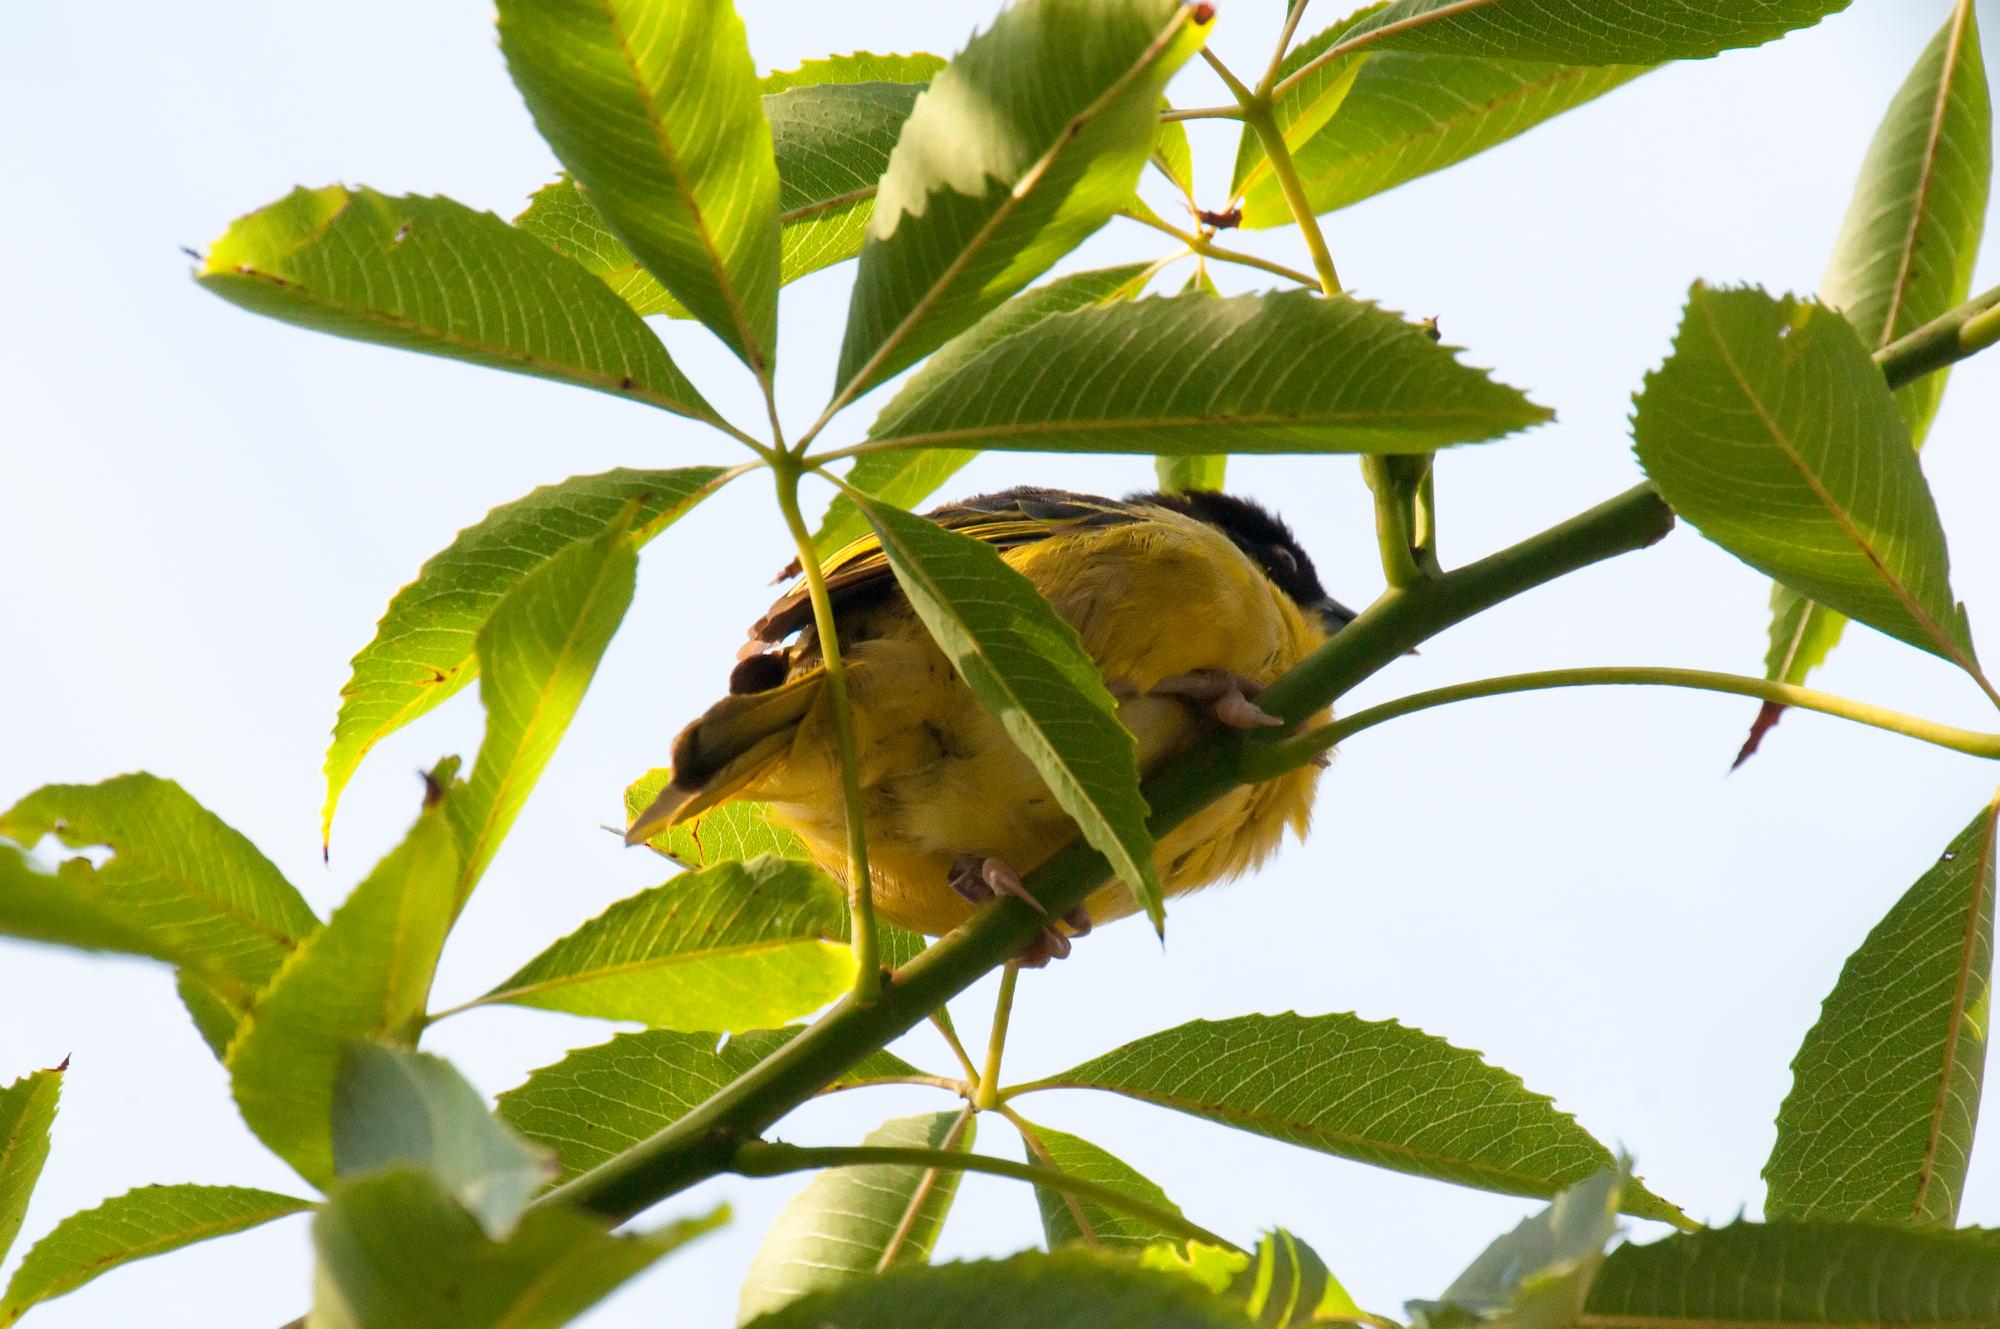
1189,603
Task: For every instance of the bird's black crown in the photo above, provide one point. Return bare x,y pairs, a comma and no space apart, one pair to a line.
1255,530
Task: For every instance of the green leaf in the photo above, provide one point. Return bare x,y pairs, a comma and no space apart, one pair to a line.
431,275
1301,113
1773,432
1885,1090
851,1223
180,885
1178,474
1069,1289
394,1251
599,1101
27,1111
732,947
151,1220
216,1014
857,67
1030,670
1023,145
1284,1285
538,651
392,1106
1070,1218
1183,374
832,143
1590,32
1173,157
728,832
1405,115
364,975
907,478
1538,1275
1904,257
1796,1274
1375,1092
653,107
424,649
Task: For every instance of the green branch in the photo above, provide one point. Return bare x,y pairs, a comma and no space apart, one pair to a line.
1275,759
705,1141
1945,340
757,1158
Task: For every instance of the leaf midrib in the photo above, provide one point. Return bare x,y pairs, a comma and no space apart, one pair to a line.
1927,175
670,961
1252,419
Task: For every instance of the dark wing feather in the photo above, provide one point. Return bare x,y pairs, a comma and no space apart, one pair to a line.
858,573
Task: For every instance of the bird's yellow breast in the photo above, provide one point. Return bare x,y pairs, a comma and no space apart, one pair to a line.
1149,599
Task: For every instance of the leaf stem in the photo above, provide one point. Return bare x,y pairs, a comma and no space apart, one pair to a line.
1032,1138
1201,113
860,885
987,1095
950,1035
1275,758
702,1143
1203,247
1270,79
1952,336
925,1185
762,1158
1257,113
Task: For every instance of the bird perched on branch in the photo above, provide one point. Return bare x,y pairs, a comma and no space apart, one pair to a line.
1189,603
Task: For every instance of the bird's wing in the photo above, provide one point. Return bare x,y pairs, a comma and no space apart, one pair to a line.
859,571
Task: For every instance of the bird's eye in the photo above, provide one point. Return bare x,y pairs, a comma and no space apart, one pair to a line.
1280,559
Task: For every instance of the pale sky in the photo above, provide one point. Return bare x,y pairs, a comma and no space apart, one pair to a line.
202,515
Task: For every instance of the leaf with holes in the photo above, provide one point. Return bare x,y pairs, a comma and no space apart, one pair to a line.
1773,432
538,651
135,1226
393,1250
1067,1218
1029,669
364,975
1885,1089
1186,374
425,648
1375,1092
599,1101
27,1111
1405,114
180,884
654,108
1022,146
731,947
1587,32
1800,1274
907,478
431,275
1904,257
851,1223
397,1107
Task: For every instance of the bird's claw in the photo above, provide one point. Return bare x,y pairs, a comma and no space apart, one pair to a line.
1229,696
979,879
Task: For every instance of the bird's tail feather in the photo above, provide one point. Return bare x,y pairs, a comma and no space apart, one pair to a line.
720,754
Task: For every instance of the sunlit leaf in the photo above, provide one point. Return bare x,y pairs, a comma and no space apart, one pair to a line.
1405,114
1193,374
598,1101
1375,1092
1590,32
394,1251
538,651
1904,257
1885,1089
146,1222
1797,1274
431,275
364,975
1178,473
1069,1289
1023,145
179,885
1029,669
397,1107
424,649
1070,1218
732,947
855,67
27,1110
725,833
1773,432
907,478
1538,1275
653,107
851,1222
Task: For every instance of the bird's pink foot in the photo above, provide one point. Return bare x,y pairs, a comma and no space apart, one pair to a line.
1230,697
979,879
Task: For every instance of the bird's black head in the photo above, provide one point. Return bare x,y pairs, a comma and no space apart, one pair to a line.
1268,542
